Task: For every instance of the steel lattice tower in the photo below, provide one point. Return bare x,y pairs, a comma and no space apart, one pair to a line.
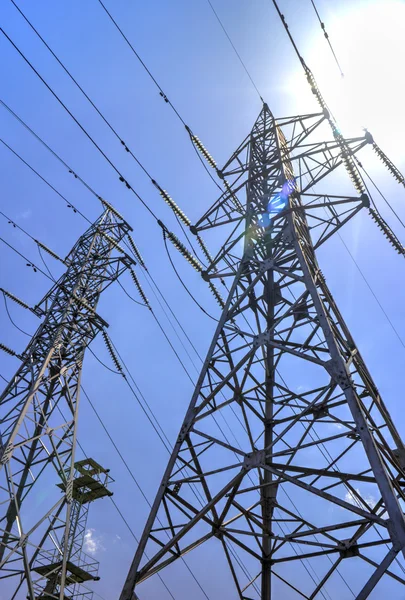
287,457
38,420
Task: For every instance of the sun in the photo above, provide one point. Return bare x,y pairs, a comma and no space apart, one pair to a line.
368,38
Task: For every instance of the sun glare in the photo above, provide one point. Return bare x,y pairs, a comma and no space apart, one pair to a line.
368,39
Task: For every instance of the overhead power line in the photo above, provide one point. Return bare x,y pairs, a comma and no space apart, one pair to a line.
55,154
117,171
68,202
162,192
161,92
235,49
326,36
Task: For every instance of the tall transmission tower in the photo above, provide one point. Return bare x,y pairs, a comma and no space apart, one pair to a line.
38,420
306,492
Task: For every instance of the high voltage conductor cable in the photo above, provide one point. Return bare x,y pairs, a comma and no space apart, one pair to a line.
126,466
187,566
131,243
196,142
173,314
327,37
44,261
185,333
37,242
140,393
120,176
149,407
39,139
11,319
151,420
29,263
130,297
106,121
372,292
137,541
184,285
21,303
78,85
186,371
176,210
172,326
69,204
235,49
161,92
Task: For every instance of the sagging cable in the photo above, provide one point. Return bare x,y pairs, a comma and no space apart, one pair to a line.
389,164
136,252
49,251
387,231
202,149
139,288
176,209
8,350
36,312
182,249
111,351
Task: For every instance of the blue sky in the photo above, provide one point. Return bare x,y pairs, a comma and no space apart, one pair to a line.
184,47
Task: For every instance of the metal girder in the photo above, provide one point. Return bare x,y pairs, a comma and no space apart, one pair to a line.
39,413
287,454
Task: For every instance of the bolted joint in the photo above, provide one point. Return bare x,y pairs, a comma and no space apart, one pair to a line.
348,549
354,435
339,373
217,532
319,411
254,459
193,229
365,200
368,137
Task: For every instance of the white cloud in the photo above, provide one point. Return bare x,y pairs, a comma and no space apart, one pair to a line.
352,499
26,214
92,542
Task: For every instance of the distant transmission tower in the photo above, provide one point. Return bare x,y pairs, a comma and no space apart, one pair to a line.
38,426
287,458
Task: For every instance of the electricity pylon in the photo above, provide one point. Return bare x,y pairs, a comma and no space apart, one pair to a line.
287,458
38,420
